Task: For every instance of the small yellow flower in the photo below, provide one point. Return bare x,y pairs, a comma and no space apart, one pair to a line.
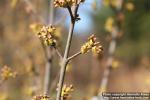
91,44
96,50
109,24
41,97
47,35
130,6
6,73
66,3
66,92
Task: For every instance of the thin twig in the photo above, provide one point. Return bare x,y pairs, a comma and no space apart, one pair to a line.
70,12
58,53
48,70
73,56
64,61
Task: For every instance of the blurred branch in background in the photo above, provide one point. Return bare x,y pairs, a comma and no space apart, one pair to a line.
49,50
114,29
32,10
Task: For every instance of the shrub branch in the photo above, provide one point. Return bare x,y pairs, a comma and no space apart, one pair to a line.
67,49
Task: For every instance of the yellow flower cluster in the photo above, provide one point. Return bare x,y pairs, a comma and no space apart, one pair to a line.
6,73
47,35
41,97
109,24
66,3
66,92
91,44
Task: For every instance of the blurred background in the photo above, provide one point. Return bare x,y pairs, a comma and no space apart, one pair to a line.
21,49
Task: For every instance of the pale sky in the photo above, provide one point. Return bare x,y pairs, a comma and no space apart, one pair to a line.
84,26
